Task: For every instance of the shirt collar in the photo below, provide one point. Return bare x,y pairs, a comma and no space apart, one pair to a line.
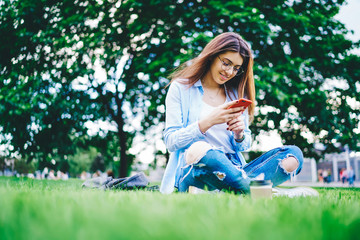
199,86
198,83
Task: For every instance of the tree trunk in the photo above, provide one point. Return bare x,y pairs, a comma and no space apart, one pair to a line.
123,167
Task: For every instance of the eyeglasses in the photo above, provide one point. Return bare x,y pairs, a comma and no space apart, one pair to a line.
226,66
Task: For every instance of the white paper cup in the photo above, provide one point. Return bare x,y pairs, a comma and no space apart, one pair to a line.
261,189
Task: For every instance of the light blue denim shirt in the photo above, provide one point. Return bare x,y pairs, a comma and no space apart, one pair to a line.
183,107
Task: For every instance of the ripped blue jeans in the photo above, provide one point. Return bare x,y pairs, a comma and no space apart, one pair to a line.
218,170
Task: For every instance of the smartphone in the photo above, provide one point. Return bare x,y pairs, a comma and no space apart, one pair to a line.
242,102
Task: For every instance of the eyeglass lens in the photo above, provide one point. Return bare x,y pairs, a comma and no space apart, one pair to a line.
226,66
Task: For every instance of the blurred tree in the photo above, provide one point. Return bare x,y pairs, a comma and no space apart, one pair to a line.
98,164
2,163
40,110
64,63
81,161
307,82
23,167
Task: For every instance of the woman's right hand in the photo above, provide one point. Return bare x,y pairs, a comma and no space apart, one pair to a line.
221,114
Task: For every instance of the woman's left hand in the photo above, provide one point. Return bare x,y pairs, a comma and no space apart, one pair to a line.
237,125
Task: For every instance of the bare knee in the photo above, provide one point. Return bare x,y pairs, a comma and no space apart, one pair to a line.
196,151
290,164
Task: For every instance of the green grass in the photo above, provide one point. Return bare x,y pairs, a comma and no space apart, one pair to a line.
45,209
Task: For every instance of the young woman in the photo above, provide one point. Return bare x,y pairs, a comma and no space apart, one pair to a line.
205,136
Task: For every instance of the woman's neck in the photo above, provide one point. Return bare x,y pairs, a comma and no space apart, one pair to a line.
208,83
214,94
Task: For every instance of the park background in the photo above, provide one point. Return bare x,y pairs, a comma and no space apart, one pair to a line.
83,82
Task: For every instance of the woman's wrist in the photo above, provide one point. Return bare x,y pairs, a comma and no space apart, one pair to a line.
239,137
204,125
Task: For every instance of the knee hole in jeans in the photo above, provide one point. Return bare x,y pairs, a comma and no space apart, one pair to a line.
196,151
290,164
220,175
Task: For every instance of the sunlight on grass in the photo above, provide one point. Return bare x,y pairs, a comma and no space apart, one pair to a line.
44,209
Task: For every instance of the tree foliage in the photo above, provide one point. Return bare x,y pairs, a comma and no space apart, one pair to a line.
40,110
64,63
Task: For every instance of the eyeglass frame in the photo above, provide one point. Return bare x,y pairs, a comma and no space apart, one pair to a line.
226,68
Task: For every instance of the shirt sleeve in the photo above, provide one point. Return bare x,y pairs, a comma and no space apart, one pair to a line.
177,134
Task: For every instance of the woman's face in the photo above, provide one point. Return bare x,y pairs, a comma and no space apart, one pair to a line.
228,60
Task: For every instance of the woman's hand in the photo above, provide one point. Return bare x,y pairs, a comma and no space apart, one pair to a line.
221,114
237,126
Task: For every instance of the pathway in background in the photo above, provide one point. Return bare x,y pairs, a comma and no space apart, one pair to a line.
319,184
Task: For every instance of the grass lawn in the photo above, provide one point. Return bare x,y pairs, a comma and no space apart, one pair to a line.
45,209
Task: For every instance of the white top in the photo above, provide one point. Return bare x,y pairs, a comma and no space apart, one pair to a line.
217,135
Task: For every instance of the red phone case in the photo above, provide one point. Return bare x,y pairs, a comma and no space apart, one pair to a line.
242,102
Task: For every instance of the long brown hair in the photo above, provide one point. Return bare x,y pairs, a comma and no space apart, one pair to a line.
196,68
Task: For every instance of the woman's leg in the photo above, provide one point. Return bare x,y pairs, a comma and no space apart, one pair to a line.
277,165
214,171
